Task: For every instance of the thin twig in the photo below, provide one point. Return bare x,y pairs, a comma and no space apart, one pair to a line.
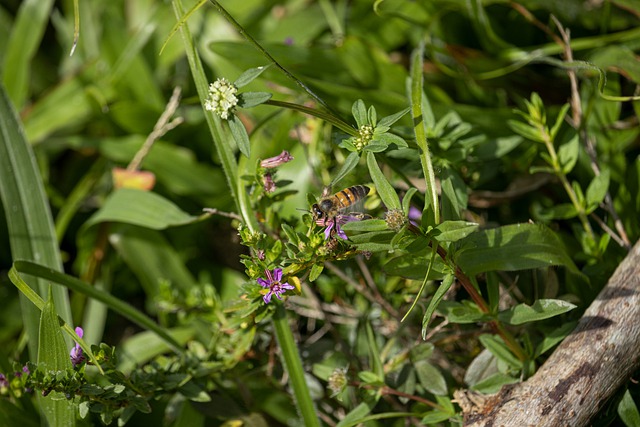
214,211
163,125
576,107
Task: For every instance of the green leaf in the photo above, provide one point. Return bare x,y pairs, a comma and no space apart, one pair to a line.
389,120
27,213
349,164
628,410
385,190
386,139
142,208
559,120
452,231
240,136
251,99
554,337
359,112
568,154
511,248
249,75
560,211
525,130
26,34
316,270
466,312
435,302
366,225
375,360
431,378
498,348
541,309
494,383
406,200
597,190
53,355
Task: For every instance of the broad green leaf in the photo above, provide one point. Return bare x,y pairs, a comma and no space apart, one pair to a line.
498,348
249,76
366,225
142,208
466,312
373,241
430,377
357,59
359,112
240,136
511,248
628,410
387,139
316,270
53,355
415,267
385,190
539,310
389,120
349,164
597,190
452,231
251,99
568,154
29,224
357,414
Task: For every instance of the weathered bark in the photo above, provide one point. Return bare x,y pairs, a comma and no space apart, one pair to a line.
583,372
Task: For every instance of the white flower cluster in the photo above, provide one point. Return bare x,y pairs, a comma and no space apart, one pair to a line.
222,98
365,135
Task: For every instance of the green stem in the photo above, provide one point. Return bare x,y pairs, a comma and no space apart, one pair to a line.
331,118
223,148
293,365
267,55
582,215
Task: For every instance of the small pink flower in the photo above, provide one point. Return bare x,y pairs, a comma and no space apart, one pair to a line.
273,283
279,160
334,225
268,183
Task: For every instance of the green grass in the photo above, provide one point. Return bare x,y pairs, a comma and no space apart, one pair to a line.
523,189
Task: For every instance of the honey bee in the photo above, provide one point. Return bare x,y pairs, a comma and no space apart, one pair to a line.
328,208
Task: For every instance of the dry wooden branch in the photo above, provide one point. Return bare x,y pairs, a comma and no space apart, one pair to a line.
586,369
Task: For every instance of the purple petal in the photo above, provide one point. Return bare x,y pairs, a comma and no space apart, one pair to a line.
277,274
263,283
79,331
267,297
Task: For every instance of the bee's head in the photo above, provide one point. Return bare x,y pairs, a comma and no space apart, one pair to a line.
317,212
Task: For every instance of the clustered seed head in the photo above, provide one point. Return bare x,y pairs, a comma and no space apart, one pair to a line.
365,134
337,380
395,219
222,98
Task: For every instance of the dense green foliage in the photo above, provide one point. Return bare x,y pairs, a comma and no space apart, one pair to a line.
177,227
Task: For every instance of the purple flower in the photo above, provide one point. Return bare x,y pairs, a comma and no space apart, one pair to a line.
273,283
4,383
334,225
76,354
279,160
